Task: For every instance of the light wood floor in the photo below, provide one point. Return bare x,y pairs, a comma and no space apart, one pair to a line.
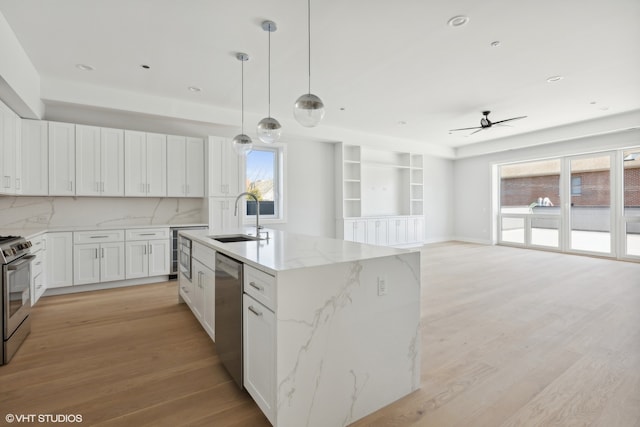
510,337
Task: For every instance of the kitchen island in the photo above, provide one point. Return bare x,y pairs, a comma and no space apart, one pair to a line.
335,333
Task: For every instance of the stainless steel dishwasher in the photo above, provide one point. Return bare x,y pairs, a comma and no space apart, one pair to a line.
229,315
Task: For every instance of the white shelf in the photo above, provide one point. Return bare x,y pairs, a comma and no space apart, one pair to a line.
385,165
351,180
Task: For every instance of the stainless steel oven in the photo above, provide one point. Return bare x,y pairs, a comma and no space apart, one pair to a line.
16,294
184,255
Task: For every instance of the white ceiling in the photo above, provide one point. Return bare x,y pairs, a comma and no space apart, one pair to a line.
382,61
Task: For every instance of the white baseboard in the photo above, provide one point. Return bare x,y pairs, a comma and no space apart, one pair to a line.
104,285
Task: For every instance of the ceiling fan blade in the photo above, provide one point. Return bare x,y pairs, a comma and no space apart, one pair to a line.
477,131
476,127
506,120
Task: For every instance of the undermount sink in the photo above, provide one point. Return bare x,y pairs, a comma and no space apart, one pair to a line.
230,238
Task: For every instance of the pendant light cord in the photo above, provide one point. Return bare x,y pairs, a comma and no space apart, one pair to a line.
309,38
269,72
242,98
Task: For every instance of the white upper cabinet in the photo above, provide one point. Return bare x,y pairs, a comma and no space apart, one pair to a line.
145,164
35,158
62,159
185,171
224,169
10,130
99,161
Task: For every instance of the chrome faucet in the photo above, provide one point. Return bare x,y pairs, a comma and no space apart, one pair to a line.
235,212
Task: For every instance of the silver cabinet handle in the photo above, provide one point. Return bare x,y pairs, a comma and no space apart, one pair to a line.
147,234
258,287
148,188
141,187
255,311
98,237
96,256
102,186
144,250
17,183
102,250
150,248
185,290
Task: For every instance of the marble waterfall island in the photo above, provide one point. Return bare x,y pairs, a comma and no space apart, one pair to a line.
346,334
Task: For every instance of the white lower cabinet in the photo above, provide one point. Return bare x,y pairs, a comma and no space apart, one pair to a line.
148,253
60,259
203,293
98,262
259,351
377,232
355,230
38,269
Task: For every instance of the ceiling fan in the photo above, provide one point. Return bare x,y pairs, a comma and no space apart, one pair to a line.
485,123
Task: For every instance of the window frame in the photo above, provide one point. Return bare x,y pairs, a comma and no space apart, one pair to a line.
280,169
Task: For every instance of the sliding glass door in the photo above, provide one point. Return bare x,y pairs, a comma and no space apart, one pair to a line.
588,204
631,212
590,207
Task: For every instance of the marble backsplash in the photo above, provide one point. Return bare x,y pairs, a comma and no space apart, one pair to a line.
37,212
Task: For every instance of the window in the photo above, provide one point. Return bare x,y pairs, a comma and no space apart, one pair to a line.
263,177
576,185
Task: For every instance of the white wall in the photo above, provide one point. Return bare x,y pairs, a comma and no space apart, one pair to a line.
439,199
19,80
310,201
472,178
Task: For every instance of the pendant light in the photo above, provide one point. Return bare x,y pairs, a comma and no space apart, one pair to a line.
241,142
269,129
309,109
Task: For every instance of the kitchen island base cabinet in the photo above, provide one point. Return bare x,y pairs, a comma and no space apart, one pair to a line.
258,341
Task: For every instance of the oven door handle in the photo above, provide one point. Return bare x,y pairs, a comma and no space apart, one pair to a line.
23,260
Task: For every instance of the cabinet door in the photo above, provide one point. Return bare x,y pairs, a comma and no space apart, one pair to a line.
159,257
377,232
258,341
156,165
416,230
176,166
209,301
62,159
88,161
195,167
197,297
111,162
224,169
221,217
397,231
35,158
137,260
86,264
59,259
112,261
355,230
135,163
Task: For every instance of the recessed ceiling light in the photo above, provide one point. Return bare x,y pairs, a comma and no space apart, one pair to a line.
495,43
84,67
146,67
342,108
402,123
593,103
553,79
194,89
458,21
604,108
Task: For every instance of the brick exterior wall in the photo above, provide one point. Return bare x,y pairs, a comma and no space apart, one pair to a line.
523,191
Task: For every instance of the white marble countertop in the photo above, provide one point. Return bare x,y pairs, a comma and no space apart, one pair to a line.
289,251
32,232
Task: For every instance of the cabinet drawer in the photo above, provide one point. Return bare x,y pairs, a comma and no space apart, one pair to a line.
204,254
98,236
261,286
37,245
147,233
37,265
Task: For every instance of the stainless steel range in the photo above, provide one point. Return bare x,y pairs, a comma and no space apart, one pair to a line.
16,296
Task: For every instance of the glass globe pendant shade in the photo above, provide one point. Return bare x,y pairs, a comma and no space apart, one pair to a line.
242,144
308,110
269,130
